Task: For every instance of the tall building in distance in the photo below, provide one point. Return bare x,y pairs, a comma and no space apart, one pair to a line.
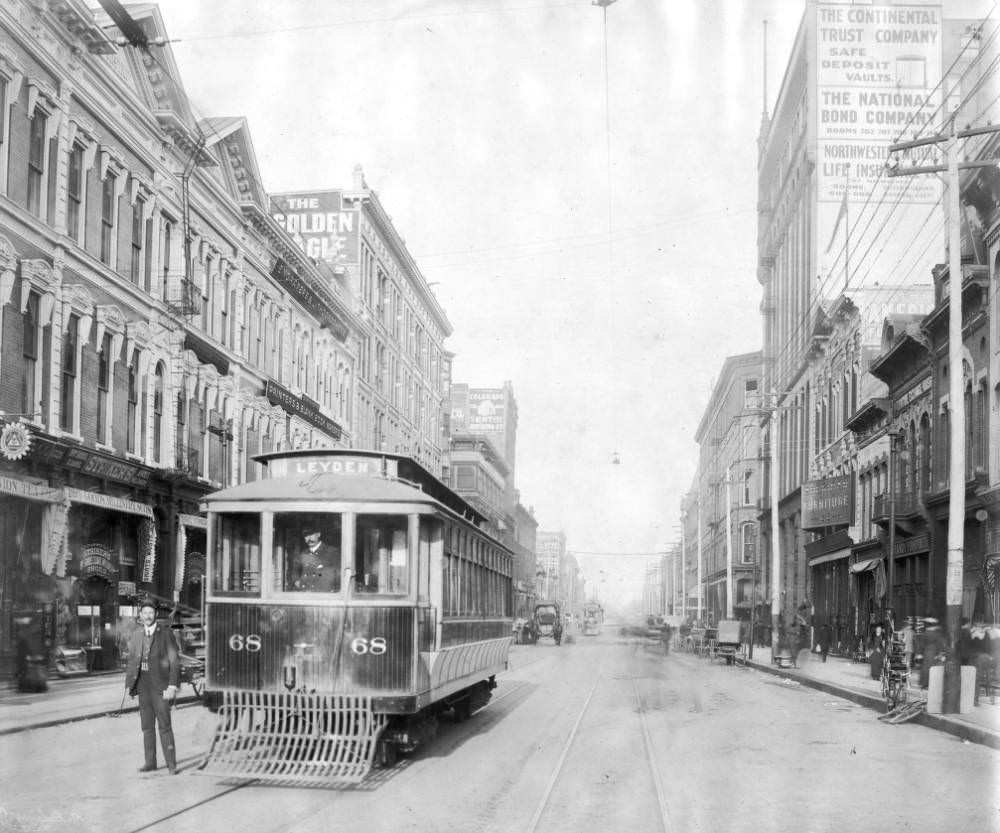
489,412
550,552
403,367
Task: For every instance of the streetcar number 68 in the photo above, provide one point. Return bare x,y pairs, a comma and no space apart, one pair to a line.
374,646
250,642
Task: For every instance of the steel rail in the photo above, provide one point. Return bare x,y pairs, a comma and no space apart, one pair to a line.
543,803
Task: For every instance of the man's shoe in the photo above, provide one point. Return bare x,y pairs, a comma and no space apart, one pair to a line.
174,770
148,768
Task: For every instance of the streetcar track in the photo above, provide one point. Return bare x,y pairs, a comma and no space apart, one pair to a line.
640,710
661,799
540,809
190,807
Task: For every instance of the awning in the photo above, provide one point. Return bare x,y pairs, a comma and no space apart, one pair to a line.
193,521
836,555
866,565
117,504
29,491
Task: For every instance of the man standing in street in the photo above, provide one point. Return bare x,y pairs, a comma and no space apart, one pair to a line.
153,673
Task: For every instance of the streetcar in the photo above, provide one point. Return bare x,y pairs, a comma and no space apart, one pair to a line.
593,616
352,600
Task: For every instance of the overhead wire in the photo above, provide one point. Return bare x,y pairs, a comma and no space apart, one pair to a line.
784,352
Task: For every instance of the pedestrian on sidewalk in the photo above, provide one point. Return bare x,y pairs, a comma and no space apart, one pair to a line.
824,640
153,674
877,657
908,642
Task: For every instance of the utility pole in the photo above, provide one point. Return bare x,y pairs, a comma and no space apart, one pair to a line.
729,548
684,595
956,384
893,491
700,588
775,528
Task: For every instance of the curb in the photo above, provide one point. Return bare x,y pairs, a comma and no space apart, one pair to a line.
963,731
60,721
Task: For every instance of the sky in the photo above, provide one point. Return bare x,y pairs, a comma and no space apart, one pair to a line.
597,251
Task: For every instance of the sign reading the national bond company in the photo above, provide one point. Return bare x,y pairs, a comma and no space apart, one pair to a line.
828,502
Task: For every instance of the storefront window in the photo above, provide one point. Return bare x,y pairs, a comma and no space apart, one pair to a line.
237,557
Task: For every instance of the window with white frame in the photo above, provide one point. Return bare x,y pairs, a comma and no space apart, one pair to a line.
132,408
70,369
207,310
109,200
136,246
36,162
165,254
104,365
157,438
74,194
748,543
31,367
747,488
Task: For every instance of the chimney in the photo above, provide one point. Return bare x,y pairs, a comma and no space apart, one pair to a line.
359,178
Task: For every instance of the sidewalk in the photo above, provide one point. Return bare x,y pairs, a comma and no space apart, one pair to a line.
72,698
851,680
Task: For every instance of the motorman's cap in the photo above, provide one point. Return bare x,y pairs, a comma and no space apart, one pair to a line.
147,602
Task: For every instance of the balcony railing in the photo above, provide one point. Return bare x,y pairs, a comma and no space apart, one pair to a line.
907,504
187,460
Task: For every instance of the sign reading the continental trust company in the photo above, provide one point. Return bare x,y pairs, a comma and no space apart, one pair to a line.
828,502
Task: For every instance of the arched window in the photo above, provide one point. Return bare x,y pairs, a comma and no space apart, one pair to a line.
132,408
157,449
925,453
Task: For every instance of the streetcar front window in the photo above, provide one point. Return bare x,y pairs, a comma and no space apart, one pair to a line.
306,552
381,559
236,557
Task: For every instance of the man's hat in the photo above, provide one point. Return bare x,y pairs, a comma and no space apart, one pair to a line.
147,602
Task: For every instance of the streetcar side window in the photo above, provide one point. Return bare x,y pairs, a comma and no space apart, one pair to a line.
305,552
381,558
236,556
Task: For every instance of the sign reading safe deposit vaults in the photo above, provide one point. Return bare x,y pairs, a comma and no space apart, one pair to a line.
828,502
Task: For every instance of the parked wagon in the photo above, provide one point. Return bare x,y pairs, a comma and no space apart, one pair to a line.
727,640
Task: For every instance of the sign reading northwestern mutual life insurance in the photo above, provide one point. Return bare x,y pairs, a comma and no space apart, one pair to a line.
828,502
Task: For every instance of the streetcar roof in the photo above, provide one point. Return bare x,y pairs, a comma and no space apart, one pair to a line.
323,487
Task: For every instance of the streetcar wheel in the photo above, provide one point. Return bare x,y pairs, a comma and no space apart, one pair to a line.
462,709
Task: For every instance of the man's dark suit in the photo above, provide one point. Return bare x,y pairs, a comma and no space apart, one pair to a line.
163,669
319,570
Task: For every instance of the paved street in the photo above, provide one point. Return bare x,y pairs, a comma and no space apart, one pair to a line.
603,733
